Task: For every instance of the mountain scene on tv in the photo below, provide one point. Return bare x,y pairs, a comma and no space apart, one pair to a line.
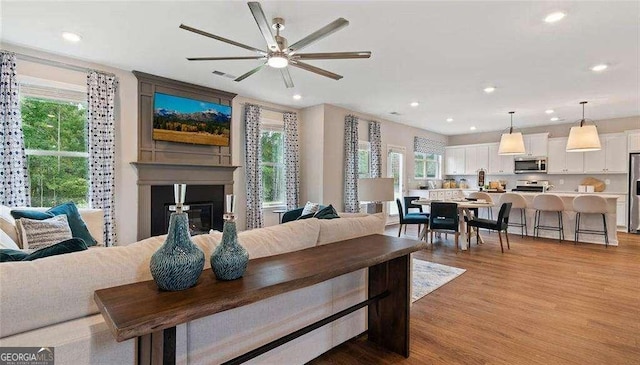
184,120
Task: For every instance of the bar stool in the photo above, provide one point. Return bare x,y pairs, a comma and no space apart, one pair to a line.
548,203
487,198
517,202
590,204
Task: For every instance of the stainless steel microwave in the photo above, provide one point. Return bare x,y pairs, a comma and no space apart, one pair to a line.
529,165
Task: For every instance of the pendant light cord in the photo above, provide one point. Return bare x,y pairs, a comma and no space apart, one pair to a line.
582,121
511,128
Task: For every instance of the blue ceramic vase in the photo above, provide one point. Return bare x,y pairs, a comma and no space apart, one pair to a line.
229,260
178,263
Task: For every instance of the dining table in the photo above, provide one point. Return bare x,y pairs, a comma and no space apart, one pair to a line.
465,209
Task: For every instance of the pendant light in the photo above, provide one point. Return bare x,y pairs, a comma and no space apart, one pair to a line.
511,143
583,138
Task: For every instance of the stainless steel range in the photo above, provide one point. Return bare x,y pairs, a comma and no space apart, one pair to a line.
532,186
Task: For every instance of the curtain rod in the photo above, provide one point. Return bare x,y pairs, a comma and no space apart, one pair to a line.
270,109
60,64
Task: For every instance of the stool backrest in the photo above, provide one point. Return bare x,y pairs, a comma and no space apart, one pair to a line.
481,195
517,200
589,204
548,202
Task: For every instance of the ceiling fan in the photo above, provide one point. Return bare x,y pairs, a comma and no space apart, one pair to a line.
279,54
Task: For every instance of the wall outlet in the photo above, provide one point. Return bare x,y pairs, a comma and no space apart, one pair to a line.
607,181
561,181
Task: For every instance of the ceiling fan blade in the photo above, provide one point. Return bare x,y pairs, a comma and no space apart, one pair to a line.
263,24
242,77
332,55
328,29
221,39
225,58
286,76
314,69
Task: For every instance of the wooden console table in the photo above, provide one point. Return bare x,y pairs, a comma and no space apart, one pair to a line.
142,310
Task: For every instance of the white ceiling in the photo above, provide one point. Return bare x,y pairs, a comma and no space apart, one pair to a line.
441,54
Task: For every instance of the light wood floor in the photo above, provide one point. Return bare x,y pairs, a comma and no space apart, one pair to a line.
542,302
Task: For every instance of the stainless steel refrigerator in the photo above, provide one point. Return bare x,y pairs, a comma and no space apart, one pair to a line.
634,193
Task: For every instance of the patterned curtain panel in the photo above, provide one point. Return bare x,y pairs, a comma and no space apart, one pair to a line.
291,160
376,149
351,203
253,174
14,180
426,145
101,92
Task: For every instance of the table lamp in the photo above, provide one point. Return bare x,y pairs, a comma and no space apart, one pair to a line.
375,191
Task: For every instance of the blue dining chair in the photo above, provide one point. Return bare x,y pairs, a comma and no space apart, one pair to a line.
410,218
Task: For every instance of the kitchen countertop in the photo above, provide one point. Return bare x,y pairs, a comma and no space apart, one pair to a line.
566,194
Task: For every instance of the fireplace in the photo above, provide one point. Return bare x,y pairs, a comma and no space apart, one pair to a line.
206,207
207,186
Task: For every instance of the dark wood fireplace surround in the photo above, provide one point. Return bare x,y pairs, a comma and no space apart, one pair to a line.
168,163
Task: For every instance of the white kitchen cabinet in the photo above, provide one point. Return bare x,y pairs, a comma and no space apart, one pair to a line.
633,140
621,212
612,158
476,158
536,144
562,162
454,161
499,165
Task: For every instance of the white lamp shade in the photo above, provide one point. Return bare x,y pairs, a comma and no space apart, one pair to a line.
375,189
511,144
583,139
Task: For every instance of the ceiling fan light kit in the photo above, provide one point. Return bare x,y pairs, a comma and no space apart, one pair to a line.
583,138
279,54
511,143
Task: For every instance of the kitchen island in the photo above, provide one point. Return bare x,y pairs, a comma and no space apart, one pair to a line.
587,221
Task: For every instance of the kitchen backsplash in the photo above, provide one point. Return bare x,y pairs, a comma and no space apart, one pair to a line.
617,182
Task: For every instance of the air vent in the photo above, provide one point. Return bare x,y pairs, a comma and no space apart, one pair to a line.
223,74
394,113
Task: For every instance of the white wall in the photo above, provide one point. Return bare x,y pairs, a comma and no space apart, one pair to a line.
126,195
331,138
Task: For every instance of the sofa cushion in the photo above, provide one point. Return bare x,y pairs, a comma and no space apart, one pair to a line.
77,225
281,238
333,230
7,242
37,234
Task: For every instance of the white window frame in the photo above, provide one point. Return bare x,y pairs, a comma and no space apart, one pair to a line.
268,125
426,160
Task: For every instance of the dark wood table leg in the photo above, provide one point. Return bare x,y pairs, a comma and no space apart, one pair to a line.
158,348
389,317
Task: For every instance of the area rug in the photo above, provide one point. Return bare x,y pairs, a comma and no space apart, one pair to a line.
429,276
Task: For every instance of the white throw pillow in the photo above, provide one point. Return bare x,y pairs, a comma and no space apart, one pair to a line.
7,242
310,208
37,234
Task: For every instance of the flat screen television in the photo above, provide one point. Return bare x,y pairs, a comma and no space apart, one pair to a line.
186,120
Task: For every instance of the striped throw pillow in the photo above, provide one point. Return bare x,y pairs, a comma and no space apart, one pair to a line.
37,234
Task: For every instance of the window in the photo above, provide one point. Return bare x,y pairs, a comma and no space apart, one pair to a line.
272,165
55,136
364,159
427,165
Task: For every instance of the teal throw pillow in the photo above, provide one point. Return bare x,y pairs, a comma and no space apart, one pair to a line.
327,212
306,216
9,255
67,246
78,227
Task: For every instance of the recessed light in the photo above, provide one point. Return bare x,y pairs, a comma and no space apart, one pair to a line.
414,104
599,68
297,96
71,37
555,119
449,120
554,17
472,128
549,111
489,89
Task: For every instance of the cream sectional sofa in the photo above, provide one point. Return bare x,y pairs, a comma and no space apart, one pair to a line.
49,302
